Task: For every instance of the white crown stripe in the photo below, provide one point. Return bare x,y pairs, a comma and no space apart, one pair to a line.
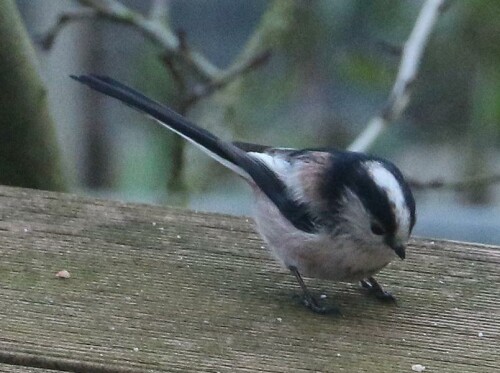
388,182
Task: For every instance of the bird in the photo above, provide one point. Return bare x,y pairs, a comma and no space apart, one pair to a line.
324,213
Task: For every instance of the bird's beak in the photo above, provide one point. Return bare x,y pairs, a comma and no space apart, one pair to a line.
400,250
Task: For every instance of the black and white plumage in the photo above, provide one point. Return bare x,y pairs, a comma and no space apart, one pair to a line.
324,213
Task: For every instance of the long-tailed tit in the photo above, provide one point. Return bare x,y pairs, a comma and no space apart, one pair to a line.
324,213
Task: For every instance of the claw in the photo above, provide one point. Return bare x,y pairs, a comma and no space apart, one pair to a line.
311,303
375,289
308,300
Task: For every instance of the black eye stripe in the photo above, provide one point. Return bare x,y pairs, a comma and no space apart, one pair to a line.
348,172
377,229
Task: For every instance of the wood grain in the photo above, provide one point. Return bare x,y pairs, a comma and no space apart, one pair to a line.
160,289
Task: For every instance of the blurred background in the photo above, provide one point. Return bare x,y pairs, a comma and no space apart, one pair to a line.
322,69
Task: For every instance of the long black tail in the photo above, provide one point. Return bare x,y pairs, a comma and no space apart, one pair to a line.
224,152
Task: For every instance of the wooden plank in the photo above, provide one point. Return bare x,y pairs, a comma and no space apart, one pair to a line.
7,368
160,289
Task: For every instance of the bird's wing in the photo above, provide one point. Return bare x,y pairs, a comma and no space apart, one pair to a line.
249,147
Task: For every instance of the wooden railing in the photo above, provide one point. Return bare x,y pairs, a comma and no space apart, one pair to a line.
160,289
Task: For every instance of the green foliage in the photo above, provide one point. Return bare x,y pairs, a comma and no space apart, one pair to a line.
365,71
480,29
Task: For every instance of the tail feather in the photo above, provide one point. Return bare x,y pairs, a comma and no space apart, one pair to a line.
226,153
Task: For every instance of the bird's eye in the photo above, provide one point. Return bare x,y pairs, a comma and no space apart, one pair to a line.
377,229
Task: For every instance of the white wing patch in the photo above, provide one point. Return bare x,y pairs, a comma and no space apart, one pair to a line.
388,182
285,171
277,164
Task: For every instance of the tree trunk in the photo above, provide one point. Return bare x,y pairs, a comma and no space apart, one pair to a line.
29,154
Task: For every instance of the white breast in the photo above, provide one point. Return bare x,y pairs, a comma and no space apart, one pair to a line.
317,255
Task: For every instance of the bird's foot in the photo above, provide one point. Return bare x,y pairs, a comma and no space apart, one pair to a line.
314,305
375,289
309,300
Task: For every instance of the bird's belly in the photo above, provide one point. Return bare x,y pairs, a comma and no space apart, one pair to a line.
330,259
334,262
319,255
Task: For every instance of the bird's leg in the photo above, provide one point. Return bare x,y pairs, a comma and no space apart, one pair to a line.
309,300
377,290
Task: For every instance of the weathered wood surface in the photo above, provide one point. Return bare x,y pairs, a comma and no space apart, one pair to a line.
160,289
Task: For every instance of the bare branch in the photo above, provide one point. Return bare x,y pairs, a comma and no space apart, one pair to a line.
179,57
207,89
158,33
408,69
274,24
176,73
172,43
47,40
